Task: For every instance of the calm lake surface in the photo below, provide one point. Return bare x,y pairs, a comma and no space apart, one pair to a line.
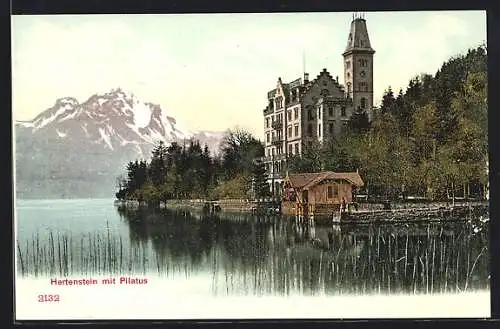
245,254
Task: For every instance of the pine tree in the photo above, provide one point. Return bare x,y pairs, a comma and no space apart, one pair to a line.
358,123
388,102
260,186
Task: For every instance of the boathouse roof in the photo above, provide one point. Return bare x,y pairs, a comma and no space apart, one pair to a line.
310,179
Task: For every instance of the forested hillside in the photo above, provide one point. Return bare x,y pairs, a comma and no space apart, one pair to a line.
429,140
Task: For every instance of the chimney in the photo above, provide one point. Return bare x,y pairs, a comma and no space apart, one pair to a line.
337,79
306,78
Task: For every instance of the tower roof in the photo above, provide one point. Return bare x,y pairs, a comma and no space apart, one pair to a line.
358,40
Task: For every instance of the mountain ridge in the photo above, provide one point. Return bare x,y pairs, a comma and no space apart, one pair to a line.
73,143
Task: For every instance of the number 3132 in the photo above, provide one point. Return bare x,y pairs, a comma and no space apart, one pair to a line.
47,298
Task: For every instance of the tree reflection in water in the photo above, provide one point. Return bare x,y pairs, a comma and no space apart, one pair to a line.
249,254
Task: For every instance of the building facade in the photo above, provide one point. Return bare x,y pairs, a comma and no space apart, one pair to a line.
302,111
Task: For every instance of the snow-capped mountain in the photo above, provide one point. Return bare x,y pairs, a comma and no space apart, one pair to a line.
77,142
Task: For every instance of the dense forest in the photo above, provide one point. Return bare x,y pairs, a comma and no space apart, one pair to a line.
430,140
190,171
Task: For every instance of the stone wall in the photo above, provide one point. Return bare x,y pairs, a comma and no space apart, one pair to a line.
229,205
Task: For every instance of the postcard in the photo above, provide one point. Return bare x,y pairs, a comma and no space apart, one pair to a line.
251,166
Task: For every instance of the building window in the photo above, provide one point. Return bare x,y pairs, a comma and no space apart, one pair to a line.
319,113
309,129
309,114
279,102
267,138
296,113
319,130
267,122
330,111
272,151
363,102
296,131
324,92
272,118
289,148
363,62
289,115
348,64
290,131
342,111
297,148
330,128
332,191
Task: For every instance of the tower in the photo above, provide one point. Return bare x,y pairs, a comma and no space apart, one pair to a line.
358,66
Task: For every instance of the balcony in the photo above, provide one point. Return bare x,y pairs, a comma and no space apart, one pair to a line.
277,140
277,125
276,175
272,158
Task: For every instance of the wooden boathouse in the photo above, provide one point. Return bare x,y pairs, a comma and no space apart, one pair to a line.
319,194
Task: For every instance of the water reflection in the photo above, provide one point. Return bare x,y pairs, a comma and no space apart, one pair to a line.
262,255
243,254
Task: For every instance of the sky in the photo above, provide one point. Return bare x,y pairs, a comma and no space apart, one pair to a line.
213,71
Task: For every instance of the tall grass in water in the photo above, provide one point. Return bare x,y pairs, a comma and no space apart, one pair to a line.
376,259
91,254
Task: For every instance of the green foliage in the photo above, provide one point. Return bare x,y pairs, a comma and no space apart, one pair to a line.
235,188
260,186
429,140
190,171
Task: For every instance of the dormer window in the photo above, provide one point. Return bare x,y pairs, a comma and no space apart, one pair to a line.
279,102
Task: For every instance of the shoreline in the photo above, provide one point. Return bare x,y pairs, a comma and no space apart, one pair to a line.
367,213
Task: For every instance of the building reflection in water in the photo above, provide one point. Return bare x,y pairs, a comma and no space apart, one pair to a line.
256,255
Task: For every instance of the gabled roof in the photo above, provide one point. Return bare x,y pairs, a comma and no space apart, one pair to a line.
310,179
300,180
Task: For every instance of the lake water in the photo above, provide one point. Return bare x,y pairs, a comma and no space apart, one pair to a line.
234,255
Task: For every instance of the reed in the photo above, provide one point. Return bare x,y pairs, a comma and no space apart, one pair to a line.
368,262
61,254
